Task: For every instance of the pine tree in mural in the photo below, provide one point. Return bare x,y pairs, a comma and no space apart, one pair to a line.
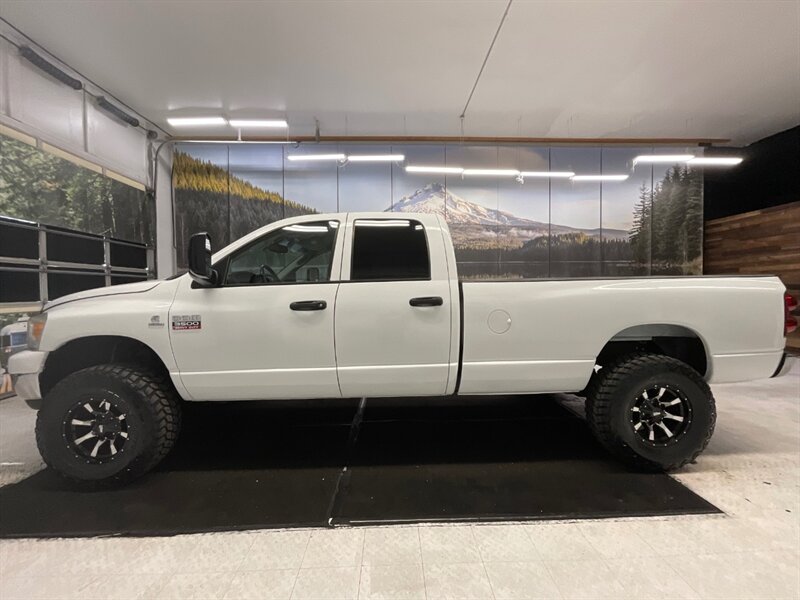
694,219
640,237
668,224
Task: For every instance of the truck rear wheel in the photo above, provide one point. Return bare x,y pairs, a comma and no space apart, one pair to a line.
108,424
653,412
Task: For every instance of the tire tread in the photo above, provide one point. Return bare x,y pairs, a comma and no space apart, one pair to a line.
162,401
603,391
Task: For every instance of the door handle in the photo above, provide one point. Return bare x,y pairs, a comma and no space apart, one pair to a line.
426,301
309,305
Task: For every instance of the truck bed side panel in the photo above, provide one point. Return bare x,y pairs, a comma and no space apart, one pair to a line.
558,328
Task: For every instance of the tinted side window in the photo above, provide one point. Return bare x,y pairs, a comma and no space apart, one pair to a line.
296,253
389,249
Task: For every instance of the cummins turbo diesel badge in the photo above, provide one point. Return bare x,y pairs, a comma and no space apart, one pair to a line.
184,322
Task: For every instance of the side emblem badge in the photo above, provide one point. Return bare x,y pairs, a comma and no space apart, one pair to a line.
186,322
155,322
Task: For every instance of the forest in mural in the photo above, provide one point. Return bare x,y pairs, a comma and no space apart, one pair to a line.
208,198
650,225
668,223
38,186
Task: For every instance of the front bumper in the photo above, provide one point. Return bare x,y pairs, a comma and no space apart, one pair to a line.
786,364
24,368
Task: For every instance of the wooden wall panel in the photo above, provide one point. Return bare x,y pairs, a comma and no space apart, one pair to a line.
762,242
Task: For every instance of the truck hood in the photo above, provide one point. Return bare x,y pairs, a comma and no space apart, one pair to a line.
114,290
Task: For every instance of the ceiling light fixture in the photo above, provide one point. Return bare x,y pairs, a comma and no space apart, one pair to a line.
718,161
553,174
441,170
300,157
599,177
662,158
195,121
491,172
245,123
376,157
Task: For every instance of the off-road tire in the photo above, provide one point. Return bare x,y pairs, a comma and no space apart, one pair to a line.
152,411
613,391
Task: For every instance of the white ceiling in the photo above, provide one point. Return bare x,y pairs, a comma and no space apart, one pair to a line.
716,69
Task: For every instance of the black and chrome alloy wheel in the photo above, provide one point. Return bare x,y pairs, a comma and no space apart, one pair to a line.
654,412
660,415
108,424
96,428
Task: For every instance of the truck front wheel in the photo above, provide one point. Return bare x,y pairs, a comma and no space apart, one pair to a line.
108,424
653,412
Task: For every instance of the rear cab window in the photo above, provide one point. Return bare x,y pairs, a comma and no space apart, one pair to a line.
389,250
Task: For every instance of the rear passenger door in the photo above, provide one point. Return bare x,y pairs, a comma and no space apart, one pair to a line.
393,309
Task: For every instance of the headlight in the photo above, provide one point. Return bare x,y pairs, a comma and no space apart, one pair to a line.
35,330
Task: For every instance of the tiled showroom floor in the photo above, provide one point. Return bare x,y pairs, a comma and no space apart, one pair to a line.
751,471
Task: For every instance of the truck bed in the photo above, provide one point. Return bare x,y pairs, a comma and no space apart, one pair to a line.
551,331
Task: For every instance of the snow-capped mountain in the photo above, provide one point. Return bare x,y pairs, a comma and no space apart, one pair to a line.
434,198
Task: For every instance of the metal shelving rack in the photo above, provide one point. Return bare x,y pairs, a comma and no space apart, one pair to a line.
24,252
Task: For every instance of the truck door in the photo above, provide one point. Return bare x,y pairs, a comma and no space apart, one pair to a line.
267,330
393,309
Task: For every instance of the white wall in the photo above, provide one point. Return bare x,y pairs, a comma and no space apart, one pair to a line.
165,252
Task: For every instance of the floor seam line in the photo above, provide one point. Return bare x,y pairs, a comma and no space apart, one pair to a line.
344,474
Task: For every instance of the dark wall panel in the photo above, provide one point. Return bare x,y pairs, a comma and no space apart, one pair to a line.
125,255
768,176
17,241
19,286
70,248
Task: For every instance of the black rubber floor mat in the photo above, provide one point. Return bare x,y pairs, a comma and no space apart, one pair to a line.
235,466
492,458
267,464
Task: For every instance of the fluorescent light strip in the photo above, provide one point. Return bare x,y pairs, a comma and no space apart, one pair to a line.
599,177
491,172
553,174
662,158
721,161
376,157
299,157
244,123
190,121
425,169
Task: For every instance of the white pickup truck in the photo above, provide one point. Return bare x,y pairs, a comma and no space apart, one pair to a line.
370,305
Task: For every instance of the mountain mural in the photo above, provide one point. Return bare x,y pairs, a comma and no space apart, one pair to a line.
665,236
435,199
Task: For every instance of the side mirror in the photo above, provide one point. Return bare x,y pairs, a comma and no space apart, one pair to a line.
200,260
